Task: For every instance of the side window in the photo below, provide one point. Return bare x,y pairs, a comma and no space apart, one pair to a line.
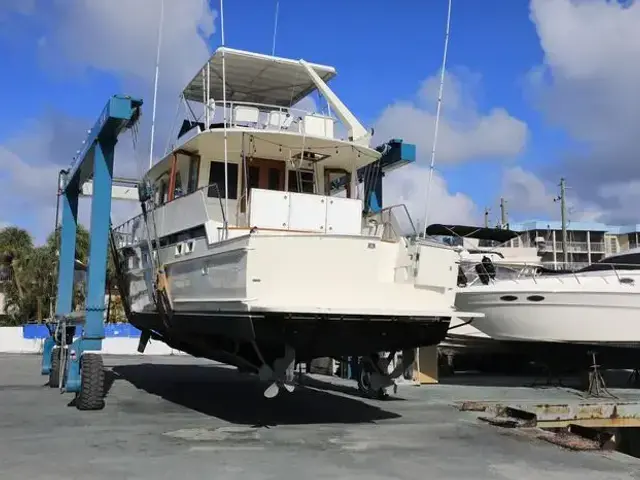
161,192
178,191
194,166
216,176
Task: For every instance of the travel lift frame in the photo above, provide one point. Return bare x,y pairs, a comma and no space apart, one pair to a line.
78,368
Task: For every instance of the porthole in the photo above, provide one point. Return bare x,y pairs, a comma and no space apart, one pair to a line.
535,298
508,298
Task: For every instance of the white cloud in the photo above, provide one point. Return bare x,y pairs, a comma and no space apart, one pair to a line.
530,196
28,184
588,85
407,185
464,132
120,36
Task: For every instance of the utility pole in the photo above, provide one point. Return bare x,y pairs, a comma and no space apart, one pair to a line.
486,217
563,219
503,213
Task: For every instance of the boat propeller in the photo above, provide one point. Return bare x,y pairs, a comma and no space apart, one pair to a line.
281,375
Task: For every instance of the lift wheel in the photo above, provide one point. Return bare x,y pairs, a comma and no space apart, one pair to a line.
91,394
54,373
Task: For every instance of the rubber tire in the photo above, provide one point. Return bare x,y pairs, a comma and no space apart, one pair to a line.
54,373
91,394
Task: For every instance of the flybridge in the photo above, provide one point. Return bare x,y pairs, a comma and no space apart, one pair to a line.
254,78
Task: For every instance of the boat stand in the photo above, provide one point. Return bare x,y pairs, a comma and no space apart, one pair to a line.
597,386
79,366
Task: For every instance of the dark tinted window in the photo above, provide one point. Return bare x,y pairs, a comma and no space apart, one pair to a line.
274,179
216,176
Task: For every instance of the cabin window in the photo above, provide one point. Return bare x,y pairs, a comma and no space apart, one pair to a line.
216,176
161,192
178,190
336,180
305,180
274,179
254,178
194,167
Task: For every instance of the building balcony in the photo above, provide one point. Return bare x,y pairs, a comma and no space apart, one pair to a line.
575,247
581,247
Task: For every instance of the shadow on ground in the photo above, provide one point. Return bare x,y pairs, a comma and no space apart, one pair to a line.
353,391
238,398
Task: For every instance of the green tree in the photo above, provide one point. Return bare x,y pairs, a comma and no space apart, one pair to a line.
29,275
15,246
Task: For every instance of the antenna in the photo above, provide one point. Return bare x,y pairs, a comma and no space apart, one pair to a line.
224,111
435,132
155,86
275,29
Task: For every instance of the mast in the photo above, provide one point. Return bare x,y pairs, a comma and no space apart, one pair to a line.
224,111
437,122
155,86
486,217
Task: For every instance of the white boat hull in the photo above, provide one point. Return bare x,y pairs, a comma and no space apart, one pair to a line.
291,273
592,309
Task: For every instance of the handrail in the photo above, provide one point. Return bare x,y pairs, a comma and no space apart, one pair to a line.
561,276
157,206
297,114
389,210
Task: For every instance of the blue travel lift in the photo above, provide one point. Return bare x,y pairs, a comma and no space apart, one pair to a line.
75,365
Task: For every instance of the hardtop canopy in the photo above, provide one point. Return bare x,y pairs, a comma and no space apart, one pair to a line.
256,78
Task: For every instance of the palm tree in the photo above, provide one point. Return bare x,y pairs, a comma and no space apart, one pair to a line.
29,276
15,245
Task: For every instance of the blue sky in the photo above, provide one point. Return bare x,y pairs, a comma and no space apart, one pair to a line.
66,58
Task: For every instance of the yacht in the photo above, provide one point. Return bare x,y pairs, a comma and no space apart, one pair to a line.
479,247
597,305
256,247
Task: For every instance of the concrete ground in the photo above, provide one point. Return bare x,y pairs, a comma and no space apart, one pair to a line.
182,418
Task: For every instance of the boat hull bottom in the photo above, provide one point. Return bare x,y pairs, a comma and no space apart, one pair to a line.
530,357
228,336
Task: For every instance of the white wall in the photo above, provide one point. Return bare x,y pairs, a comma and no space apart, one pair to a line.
12,341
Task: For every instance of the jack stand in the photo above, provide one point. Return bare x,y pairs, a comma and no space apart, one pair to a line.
634,378
597,386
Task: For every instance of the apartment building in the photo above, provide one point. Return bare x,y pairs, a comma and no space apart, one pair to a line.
587,242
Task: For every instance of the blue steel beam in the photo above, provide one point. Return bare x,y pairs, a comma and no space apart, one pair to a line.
120,113
95,161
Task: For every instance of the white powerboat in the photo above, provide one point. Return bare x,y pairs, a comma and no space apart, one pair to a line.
476,247
255,248
596,305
